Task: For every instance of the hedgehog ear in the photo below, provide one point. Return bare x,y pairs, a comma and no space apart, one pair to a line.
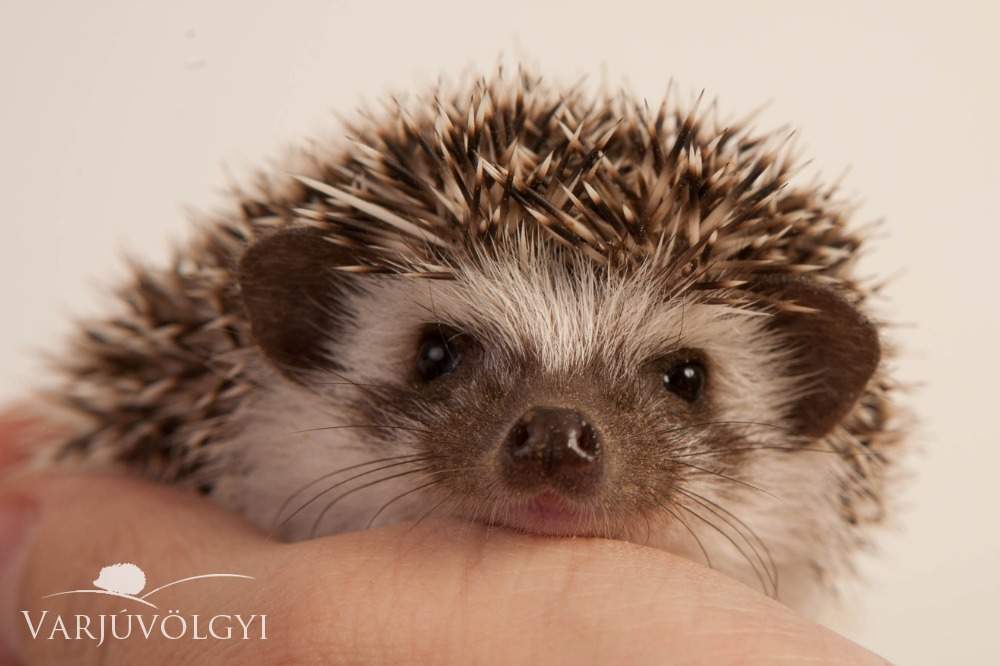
290,294
836,352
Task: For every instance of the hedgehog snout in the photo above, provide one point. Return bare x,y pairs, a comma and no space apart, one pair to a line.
553,448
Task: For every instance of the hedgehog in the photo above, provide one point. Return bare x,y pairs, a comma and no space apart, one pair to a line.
522,304
121,578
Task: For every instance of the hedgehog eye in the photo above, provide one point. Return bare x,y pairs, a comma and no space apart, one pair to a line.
685,380
439,353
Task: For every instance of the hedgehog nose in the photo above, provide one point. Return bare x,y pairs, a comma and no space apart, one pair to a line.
554,447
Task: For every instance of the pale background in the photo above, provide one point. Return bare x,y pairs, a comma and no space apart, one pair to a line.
113,117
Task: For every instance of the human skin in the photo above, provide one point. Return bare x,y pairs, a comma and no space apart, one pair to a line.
440,592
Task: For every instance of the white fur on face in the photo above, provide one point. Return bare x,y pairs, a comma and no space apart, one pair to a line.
564,315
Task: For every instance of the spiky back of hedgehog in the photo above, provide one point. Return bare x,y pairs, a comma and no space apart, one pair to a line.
495,190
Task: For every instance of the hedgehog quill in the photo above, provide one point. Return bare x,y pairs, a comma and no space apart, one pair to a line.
523,305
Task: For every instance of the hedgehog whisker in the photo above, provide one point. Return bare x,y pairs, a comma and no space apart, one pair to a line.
338,498
428,513
708,424
758,424
739,549
771,571
328,475
486,504
398,497
751,532
489,500
694,535
727,478
439,477
742,449
609,531
649,528
329,489
368,389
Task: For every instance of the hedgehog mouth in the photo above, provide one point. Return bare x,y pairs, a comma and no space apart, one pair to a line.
544,514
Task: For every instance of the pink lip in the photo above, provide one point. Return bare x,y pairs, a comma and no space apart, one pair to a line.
544,514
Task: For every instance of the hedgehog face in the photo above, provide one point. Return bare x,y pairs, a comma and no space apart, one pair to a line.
539,390
536,384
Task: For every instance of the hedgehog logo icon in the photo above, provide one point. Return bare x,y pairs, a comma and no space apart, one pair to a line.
128,580
123,578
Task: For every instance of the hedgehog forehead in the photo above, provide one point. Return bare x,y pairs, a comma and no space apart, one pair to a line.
569,314
556,308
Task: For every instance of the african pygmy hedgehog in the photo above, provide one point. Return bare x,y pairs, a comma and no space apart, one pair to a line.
524,305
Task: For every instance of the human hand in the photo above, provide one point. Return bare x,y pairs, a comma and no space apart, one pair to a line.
439,592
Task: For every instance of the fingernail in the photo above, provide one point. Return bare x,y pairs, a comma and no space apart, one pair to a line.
17,518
